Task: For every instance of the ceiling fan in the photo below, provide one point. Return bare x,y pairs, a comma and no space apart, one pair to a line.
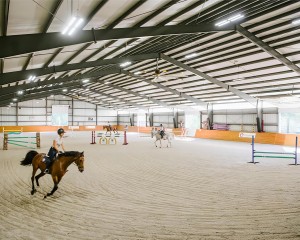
160,74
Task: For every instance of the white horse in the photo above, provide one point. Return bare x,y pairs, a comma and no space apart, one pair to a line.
167,136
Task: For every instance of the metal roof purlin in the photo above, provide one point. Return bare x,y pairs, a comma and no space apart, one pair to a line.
161,103
237,92
158,85
11,77
268,49
95,74
121,99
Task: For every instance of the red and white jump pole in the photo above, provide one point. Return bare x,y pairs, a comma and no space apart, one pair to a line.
125,136
93,137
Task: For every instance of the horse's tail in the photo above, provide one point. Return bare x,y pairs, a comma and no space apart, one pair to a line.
29,157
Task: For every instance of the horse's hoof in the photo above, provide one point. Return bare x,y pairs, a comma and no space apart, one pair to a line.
45,196
32,192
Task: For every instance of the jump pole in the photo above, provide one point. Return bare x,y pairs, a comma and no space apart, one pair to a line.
125,138
93,137
296,157
295,153
11,140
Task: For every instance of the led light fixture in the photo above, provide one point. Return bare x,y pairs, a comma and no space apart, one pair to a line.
125,64
296,21
31,78
191,55
72,25
234,18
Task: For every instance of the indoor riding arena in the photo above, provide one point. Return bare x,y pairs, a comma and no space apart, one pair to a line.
153,119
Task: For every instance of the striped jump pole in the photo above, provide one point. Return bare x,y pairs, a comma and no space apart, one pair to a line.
21,142
93,137
125,138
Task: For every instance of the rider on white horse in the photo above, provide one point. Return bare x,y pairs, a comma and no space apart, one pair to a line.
162,131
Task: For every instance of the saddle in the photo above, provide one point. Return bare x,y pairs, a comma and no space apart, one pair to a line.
48,162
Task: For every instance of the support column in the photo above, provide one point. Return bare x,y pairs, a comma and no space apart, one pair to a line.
200,119
118,118
46,99
175,119
210,115
96,115
72,111
151,119
17,114
259,117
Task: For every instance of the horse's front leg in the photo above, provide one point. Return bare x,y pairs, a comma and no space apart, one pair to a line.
53,190
56,180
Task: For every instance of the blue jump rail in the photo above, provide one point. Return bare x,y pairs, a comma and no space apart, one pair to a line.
292,155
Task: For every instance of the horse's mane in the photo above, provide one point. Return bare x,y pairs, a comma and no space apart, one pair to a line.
69,154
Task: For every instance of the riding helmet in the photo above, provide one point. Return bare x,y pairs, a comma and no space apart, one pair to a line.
60,131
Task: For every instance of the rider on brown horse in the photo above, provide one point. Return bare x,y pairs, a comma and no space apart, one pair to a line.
54,149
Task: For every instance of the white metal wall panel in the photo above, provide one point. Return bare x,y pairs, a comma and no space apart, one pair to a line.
242,128
31,118
270,119
31,123
31,111
271,129
33,103
79,104
9,118
167,121
234,119
249,119
220,119
84,112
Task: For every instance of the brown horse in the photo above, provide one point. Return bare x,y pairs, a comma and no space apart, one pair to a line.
109,129
58,168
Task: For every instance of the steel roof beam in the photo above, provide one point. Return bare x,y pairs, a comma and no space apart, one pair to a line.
1,67
27,62
167,89
11,77
58,51
139,24
268,49
95,10
96,74
161,103
42,41
89,18
237,92
5,17
52,16
41,88
121,99
100,100
32,96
